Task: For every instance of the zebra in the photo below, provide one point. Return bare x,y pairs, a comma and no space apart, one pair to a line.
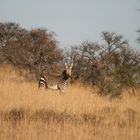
57,82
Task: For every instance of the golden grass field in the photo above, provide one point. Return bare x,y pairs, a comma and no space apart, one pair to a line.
27,113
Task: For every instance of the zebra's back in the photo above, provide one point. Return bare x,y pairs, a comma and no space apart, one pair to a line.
53,82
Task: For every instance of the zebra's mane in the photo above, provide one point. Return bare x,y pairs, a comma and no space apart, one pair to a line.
65,75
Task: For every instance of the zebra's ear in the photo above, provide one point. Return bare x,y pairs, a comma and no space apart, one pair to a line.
66,65
71,65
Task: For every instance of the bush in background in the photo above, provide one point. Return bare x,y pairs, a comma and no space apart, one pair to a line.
32,51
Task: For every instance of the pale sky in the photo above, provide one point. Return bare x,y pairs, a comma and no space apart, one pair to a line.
75,21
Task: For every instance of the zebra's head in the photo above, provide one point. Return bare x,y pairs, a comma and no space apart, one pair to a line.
68,69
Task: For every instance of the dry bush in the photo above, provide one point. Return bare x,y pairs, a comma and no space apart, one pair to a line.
112,66
31,51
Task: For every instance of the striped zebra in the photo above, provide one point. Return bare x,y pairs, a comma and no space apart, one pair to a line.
57,82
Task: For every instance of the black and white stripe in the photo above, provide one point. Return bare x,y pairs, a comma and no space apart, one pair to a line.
63,83
43,82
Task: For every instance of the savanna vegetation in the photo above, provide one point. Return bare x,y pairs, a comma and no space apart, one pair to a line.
111,66
27,113
90,108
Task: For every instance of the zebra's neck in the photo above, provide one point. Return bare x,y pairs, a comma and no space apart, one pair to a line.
66,77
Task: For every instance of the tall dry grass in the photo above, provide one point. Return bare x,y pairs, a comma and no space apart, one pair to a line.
27,113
